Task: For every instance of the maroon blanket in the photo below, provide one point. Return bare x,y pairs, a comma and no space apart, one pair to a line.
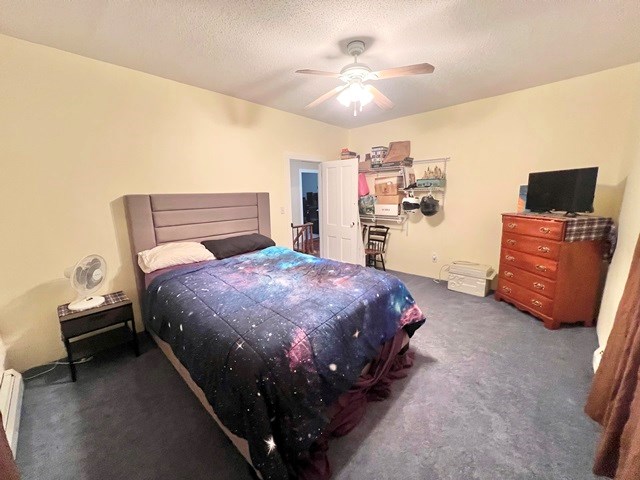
8,468
392,363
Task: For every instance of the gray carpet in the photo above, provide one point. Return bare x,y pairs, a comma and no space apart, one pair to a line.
492,395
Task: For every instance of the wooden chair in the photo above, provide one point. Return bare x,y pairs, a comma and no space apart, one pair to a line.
376,245
302,236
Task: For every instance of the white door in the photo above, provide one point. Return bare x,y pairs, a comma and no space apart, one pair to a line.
339,221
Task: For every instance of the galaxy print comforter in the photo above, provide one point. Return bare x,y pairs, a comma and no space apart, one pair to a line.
274,337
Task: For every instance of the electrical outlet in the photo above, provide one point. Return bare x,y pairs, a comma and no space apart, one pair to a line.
434,257
282,210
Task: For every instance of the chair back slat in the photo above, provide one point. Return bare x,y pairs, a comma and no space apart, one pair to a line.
377,238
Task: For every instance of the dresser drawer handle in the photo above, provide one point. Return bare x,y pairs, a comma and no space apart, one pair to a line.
538,285
509,258
536,303
506,289
541,268
508,274
544,249
545,230
512,225
511,241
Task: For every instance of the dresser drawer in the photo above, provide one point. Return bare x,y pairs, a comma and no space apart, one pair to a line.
530,281
96,321
541,247
533,227
531,300
540,266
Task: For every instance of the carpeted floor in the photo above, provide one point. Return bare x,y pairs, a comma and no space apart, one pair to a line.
492,395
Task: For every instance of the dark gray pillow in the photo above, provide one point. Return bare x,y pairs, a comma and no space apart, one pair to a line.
228,247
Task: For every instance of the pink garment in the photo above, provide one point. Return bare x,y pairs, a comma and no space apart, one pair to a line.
363,186
351,406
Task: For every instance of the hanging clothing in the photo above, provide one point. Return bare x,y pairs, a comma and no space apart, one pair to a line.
363,186
614,400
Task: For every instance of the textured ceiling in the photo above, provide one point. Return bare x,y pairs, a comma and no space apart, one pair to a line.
251,48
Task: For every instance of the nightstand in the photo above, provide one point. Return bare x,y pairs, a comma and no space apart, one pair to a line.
117,309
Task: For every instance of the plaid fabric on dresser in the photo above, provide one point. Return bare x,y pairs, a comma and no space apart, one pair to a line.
109,299
580,229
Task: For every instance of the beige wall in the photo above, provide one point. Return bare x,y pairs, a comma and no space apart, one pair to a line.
494,143
77,134
627,239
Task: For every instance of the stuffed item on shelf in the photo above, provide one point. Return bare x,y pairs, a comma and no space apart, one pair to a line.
366,205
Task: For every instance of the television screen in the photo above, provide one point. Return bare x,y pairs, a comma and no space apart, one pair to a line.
563,190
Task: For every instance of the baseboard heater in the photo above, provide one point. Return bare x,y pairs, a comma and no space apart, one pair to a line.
11,390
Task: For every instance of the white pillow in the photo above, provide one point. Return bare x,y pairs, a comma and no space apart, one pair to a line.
170,254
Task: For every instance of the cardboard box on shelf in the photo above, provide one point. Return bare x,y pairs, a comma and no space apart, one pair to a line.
364,166
388,185
390,199
384,209
398,151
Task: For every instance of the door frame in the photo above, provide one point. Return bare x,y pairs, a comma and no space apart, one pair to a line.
302,157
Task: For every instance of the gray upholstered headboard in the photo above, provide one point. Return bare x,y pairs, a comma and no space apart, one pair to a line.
162,218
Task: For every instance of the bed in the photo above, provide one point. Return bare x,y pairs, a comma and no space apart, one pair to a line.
282,349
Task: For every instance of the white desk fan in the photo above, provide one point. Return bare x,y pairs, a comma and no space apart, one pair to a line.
86,277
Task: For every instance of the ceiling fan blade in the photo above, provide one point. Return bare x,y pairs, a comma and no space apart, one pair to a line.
405,71
379,98
326,96
319,72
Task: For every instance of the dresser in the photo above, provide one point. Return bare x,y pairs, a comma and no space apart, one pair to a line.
551,266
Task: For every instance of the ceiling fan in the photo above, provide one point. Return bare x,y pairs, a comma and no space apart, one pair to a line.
355,91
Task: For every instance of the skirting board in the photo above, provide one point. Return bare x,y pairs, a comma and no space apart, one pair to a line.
11,392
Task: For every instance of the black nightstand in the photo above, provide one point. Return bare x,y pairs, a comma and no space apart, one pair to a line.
116,309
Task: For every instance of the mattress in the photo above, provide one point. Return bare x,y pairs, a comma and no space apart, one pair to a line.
273,338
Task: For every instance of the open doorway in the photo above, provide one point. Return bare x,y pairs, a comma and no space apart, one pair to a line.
310,206
305,206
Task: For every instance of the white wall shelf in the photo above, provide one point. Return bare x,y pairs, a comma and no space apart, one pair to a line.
384,218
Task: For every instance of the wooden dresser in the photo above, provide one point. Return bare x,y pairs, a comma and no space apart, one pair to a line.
546,272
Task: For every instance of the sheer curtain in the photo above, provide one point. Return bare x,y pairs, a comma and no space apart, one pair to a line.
614,400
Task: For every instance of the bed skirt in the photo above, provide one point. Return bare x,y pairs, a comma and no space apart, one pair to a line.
374,384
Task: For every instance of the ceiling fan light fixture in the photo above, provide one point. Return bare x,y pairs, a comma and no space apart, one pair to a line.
355,93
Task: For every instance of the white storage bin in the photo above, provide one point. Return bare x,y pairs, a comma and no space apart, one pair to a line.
472,278
386,209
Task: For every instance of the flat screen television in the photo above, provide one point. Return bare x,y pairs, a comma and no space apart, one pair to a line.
570,191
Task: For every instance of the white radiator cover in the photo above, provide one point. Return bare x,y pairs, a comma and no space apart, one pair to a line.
11,390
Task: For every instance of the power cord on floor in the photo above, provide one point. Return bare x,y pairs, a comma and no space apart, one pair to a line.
55,364
439,279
